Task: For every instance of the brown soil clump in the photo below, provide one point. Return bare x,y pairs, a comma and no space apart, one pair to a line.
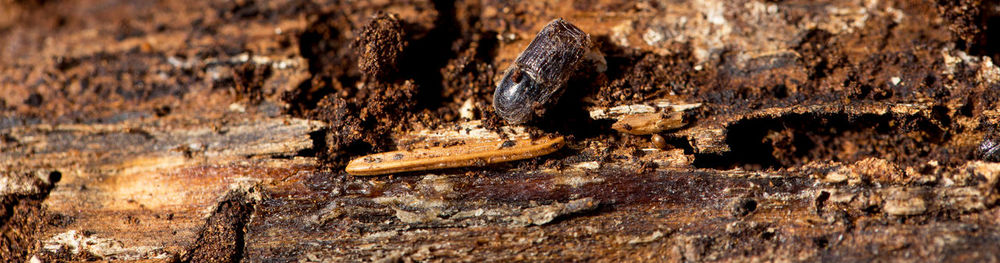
380,46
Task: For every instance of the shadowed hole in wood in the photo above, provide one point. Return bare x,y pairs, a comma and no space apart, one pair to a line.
22,214
799,138
222,238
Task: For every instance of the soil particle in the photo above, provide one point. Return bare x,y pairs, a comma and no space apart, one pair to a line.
362,122
491,121
380,45
471,74
325,43
973,24
649,77
361,111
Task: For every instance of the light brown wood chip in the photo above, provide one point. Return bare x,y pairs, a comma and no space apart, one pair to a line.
649,123
469,154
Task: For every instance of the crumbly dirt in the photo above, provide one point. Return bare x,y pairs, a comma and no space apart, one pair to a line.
827,131
379,46
359,122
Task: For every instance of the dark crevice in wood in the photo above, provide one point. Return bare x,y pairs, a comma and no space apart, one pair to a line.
222,238
21,217
795,139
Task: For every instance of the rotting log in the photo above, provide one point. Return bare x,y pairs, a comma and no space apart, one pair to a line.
198,131
143,190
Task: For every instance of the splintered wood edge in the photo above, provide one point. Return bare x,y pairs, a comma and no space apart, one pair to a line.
617,112
471,154
463,131
649,123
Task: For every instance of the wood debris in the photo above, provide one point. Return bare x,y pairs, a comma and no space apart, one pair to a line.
470,154
649,123
467,131
643,119
855,142
545,214
902,203
619,112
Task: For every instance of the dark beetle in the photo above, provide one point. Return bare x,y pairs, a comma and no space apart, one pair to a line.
540,71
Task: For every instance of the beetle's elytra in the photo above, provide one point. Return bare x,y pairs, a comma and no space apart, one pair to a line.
540,71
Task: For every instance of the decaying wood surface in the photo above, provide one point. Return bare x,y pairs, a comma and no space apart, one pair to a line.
219,131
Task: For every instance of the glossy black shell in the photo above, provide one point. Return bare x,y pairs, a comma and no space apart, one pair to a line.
539,73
